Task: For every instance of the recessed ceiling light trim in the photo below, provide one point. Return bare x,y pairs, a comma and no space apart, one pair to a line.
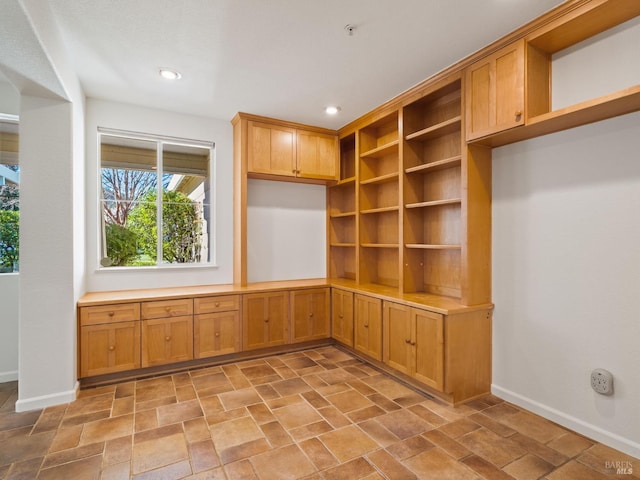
169,74
332,110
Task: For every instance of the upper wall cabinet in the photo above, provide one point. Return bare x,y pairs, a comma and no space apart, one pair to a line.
495,92
274,149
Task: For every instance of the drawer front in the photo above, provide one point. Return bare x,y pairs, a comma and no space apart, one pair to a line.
167,308
101,314
222,303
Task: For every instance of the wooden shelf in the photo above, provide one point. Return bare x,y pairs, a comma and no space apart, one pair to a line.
389,177
347,245
344,182
379,245
437,165
601,108
381,151
434,203
342,215
422,246
380,210
443,128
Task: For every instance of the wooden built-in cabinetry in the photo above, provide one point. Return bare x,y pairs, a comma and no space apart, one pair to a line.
367,325
408,224
342,316
265,319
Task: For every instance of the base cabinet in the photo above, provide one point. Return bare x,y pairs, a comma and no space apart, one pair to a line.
342,316
216,334
310,314
109,348
167,340
368,325
265,320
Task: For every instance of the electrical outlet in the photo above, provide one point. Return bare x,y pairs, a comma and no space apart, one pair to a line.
602,381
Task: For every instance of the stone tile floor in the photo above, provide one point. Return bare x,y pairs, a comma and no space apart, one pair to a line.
317,414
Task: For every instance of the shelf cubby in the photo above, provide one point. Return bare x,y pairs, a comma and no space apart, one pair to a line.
379,266
381,137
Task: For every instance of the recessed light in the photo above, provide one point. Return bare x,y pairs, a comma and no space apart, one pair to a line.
331,110
170,74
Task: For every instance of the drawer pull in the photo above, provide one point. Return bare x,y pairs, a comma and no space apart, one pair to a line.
217,304
167,338
112,348
111,314
167,309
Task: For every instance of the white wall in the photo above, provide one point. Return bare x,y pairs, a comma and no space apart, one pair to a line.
9,103
106,114
566,256
286,231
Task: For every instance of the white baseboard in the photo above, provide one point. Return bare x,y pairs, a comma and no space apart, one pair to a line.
8,376
594,432
36,403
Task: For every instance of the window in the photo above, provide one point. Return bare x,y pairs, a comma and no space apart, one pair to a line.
155,200
9,194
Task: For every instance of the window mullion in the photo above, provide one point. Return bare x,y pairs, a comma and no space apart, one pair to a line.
159,226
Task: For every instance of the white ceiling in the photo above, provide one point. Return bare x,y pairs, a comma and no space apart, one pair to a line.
280,58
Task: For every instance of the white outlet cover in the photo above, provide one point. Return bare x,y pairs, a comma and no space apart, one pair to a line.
602,381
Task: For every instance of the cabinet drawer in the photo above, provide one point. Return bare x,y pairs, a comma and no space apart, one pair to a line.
101,314
167,308
222,303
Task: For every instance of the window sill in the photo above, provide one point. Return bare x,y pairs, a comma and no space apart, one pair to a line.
157,268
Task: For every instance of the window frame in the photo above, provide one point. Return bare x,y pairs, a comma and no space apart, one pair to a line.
160,141
13,119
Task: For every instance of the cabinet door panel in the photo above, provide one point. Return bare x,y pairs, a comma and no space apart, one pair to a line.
495,92
317,155
167,340
368,326
265,320
429,339
309,314
216,334
109,348
342,316
398,339
271,149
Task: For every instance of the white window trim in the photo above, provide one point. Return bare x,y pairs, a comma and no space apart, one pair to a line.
212,234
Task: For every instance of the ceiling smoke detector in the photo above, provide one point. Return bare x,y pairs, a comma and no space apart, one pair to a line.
349,28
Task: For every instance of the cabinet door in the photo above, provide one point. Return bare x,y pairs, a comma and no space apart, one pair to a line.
109,348
342,316
167,340
271,149
368,326
265,320
398,340
317,155
216,334
429,347
495,92
309,314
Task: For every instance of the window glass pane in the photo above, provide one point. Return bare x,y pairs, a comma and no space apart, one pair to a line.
9,197
186,205
129,179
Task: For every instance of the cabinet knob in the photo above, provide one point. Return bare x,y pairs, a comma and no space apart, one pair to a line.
408,342
412,344
293,171
366,325
311,315
340,316
167,309
217,334
217,304
112,348
266,320
167,338
518,114
111,314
